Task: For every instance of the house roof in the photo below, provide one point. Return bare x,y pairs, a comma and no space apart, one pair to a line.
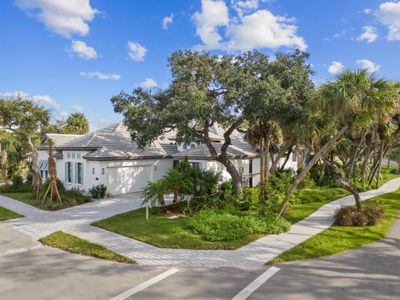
114,143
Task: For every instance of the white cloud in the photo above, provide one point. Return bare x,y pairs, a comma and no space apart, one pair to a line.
78,108
167,20
262,29
65,17
43,100
100,76
214,14
389,15
369,34
368,65
136,52
255,29
148,83
336,67
46,101
83,50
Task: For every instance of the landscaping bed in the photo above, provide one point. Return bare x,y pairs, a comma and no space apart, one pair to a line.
337,239
163,232
6,214
74,244
24,194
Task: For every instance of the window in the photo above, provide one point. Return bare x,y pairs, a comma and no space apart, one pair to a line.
93,171
73,155
103,171
294,158
195,165
79,173
46,174
78,156
184,146
68,155
175,163
192,145
41,173
155,167
68,172
250,166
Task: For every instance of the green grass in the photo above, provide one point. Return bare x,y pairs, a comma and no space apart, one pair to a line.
6,214
77,245
310,200
337,239
25,197
163,232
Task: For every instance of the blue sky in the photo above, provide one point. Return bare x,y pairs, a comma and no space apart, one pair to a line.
74,55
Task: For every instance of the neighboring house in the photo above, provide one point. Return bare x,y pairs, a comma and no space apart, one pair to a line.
110,157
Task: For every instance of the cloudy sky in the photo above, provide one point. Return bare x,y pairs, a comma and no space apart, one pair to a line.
74,55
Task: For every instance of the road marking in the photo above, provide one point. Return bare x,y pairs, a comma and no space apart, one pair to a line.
253,286
145,285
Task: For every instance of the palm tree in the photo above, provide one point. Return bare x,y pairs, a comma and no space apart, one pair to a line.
76,123
154,193
351,100
53,188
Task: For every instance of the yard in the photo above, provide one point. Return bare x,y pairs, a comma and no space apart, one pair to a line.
337,239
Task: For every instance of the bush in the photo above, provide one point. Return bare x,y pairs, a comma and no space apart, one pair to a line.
226,226
17,181
45,186
69,198
369,215
251,199
98,191
318,194
24,188
29,178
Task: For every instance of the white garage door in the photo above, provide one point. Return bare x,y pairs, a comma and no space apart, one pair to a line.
128,179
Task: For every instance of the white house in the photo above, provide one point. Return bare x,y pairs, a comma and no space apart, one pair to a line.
109,156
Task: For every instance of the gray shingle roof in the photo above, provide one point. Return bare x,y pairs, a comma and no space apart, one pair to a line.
114,142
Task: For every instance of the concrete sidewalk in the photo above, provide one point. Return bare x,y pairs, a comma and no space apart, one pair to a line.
77,221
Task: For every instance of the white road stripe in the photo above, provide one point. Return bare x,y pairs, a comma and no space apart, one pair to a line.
145,285
253,286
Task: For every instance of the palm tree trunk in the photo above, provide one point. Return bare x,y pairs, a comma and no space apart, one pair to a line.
308,167
280,154
290,151
355,156
366,159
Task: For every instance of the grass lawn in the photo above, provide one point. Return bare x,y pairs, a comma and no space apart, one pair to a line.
163,232
311,200
25,197
6,214
337,239
77,245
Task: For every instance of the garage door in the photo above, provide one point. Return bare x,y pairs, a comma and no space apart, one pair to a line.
128,179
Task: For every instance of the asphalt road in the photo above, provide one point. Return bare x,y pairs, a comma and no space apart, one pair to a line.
31,271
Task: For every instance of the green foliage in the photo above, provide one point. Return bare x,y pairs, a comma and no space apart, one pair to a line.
216,225
24,188
17,181
154,193
45,186
76,123
98,191
320,194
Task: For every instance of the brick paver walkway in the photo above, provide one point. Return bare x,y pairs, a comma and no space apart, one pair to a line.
77,221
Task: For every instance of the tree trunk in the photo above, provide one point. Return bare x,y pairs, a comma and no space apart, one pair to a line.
321,176
308,167
345,184
355,157
280,154
236,177
380,166
262,171
366,159
290,151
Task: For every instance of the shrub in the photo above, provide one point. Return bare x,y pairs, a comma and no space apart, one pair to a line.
75,195
369,215
24,188
17,181
251,199
226,226
98,191
29,178
45,186
318,194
